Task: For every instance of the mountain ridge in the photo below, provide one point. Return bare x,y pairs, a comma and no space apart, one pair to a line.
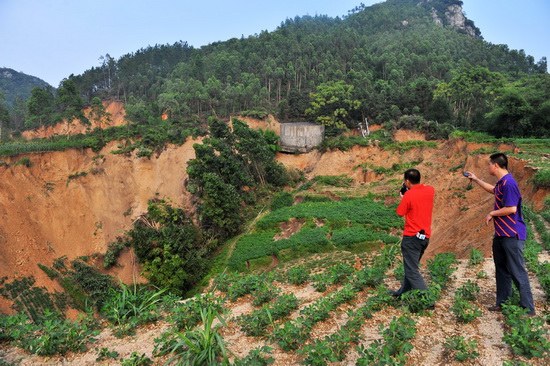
15,84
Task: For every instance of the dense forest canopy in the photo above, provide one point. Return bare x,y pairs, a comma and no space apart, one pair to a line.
400,57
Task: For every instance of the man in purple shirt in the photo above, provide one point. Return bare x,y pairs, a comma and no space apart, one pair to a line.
510,234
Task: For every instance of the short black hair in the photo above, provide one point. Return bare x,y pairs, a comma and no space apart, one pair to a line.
412,175
499,159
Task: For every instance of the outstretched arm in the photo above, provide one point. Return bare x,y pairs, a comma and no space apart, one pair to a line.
486,186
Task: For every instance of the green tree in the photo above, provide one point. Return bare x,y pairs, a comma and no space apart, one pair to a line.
68,101
332,103
470,93
98,110
169,246
18,114
4,118
220,207
41,106
511,116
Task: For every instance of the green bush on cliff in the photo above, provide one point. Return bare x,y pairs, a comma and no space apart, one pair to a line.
169,246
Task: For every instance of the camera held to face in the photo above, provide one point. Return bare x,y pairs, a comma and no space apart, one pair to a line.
403,189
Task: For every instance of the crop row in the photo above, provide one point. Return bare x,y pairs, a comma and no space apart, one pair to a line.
334,347
358,210
346,223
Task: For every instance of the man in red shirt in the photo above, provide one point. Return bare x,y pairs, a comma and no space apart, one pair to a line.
416,207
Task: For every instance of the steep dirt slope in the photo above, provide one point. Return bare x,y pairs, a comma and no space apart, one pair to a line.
459,210
75,202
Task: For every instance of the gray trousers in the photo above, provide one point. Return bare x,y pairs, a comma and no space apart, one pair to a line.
412,250
510,266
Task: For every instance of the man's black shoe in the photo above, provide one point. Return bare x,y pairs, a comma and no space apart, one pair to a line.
495,308
394,293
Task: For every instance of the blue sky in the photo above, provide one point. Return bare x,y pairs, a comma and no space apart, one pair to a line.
52,39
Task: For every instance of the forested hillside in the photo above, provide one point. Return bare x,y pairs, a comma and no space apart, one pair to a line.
396,58
17,86
15,89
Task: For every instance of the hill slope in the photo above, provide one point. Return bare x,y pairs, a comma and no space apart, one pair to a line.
16,85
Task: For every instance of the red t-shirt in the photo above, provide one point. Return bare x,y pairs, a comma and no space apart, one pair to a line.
417,206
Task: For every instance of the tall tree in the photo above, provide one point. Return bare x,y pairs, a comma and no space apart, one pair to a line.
41,105
4,118
332,103
68,101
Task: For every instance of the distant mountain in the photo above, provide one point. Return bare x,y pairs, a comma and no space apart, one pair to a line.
15,84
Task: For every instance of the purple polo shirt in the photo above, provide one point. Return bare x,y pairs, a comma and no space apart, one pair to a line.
507,194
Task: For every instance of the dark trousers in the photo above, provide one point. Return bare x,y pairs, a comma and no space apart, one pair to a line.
412,250
510,266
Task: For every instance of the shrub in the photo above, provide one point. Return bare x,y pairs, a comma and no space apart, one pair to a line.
24,161
113,252
169,246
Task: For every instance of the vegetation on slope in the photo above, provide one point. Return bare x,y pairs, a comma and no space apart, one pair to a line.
379,62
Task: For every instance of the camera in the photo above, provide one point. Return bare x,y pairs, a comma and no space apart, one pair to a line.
403,189
466,174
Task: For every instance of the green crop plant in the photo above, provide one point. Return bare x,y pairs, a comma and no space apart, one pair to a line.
420,300
292,334
203,345
281,199
186,315
255,323
468,290
476,257
264,293
461,348
526,336
318,353
130,306
297,275
244,285
464,310
256,357
223,281
335,181
441,267
53,336
104,354
136,359
394,346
